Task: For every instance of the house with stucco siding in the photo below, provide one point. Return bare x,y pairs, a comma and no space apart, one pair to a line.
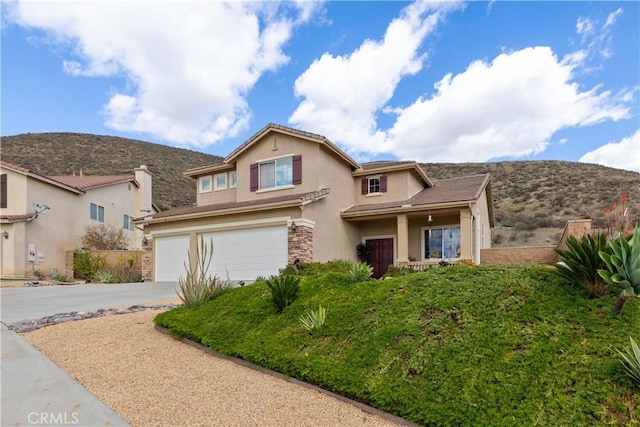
288,195
42,217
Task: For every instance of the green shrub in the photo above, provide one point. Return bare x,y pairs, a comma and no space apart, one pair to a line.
88,265
314,319
198,287
581,262
105,277
284,290
623,267
317,268
630,359
361,272
125,271
63,279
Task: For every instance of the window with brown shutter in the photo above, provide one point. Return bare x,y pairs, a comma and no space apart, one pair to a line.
383,184
297,170
365,186
253,175
3,190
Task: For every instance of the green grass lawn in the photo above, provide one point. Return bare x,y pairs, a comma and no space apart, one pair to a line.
450,346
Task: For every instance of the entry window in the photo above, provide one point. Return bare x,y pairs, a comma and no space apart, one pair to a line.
96,212
276,173
127,222
374,185
233,179
220,181
441,243
205,184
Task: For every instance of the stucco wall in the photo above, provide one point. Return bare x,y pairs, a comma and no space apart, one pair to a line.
519,255
401,185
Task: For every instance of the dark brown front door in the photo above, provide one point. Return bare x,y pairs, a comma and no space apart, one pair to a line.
381,255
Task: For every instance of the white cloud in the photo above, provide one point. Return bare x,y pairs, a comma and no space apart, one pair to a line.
598,42
624,154
507,108
342,94
188,65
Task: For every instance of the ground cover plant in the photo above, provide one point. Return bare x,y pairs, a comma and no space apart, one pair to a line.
456,345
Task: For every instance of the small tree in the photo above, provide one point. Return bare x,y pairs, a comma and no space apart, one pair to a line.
103,237
618,219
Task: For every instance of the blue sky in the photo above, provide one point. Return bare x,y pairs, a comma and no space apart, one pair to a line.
433,82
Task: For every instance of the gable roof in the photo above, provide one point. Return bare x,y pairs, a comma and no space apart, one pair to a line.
386,166
88,182
273,127
39,177
226,208
444,193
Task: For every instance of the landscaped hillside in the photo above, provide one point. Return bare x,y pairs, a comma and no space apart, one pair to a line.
527,194
472,346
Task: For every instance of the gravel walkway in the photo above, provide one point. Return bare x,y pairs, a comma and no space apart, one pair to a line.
151,379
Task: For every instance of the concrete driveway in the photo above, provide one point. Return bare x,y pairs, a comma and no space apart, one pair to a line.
35,391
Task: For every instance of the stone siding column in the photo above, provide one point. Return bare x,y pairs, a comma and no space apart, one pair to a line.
300,244
147,261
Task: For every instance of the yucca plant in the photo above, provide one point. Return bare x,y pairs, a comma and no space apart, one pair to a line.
198,287
284,290
581,261
630,359
623,267
361,271
314,319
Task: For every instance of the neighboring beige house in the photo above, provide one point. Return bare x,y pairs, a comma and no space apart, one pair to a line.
42,217
287,195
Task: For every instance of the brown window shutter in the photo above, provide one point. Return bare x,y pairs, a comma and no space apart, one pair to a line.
3,190
297,170
365,186
253,176
383,184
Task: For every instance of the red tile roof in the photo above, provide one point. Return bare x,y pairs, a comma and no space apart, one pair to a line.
86,182
464,189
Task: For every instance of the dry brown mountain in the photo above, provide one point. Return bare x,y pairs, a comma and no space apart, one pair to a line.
527,194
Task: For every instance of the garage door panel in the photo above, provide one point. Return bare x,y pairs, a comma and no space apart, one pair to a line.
171,253
247,254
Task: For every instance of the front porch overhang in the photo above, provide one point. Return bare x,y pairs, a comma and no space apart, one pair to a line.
407,209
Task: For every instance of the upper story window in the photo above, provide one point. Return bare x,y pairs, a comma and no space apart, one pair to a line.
277,173
220,181
205,184
233,179
127,223
96,212
374,185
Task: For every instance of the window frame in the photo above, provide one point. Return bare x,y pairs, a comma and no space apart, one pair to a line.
217,187
423,242
98,210
233,179
274,161
202,180
371,183
127,225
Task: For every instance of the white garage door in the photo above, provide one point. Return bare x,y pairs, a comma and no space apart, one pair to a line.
170,255
248,254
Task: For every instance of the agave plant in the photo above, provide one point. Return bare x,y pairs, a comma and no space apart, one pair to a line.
630,359
284,290
198,286
581,262
361,271
623,267
314,319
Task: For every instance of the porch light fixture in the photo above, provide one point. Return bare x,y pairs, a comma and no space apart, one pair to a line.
5,234
294,227
429,218
145,240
